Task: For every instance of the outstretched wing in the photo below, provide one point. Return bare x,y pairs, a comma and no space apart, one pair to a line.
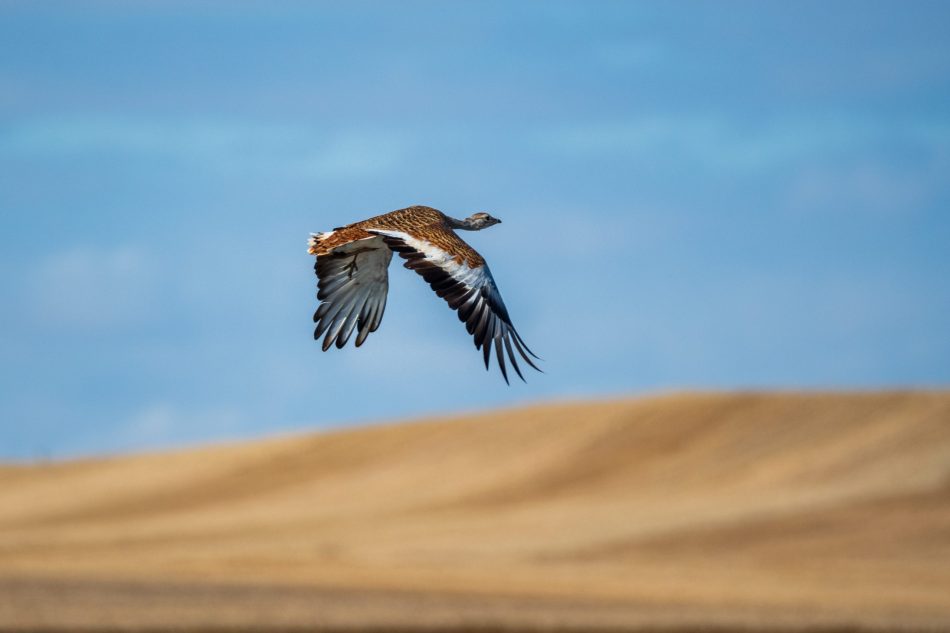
468,289
352,287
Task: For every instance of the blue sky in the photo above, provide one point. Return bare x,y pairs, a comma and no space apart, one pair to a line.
694,195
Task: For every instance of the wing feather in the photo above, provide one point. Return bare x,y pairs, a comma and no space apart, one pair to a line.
351,319
353,282
511,355
469,290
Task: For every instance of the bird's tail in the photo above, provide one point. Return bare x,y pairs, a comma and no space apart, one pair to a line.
313,244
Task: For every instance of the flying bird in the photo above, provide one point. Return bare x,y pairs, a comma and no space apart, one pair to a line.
352,264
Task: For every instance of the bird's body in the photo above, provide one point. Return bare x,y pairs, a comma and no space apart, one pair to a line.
352,264
420,222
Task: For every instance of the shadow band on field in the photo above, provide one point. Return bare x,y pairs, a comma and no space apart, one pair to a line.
36,605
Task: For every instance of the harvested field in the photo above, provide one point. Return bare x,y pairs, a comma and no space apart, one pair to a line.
776,511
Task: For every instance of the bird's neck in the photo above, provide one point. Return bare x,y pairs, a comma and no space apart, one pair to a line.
465,225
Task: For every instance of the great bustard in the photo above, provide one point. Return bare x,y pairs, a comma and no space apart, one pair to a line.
352,263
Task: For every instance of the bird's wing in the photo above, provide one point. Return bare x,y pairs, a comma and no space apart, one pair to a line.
352,284
466,284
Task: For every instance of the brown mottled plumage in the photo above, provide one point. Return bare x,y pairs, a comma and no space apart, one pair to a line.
423,222
352,264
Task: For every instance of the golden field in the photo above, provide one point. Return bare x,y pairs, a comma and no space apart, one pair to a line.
749,511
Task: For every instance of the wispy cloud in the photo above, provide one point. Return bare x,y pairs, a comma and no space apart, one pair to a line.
738,144
869,187
237,145
354,154
628,54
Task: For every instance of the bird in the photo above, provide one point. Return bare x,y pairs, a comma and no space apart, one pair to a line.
352,272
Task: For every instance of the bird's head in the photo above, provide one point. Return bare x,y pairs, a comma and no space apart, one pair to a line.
479,221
